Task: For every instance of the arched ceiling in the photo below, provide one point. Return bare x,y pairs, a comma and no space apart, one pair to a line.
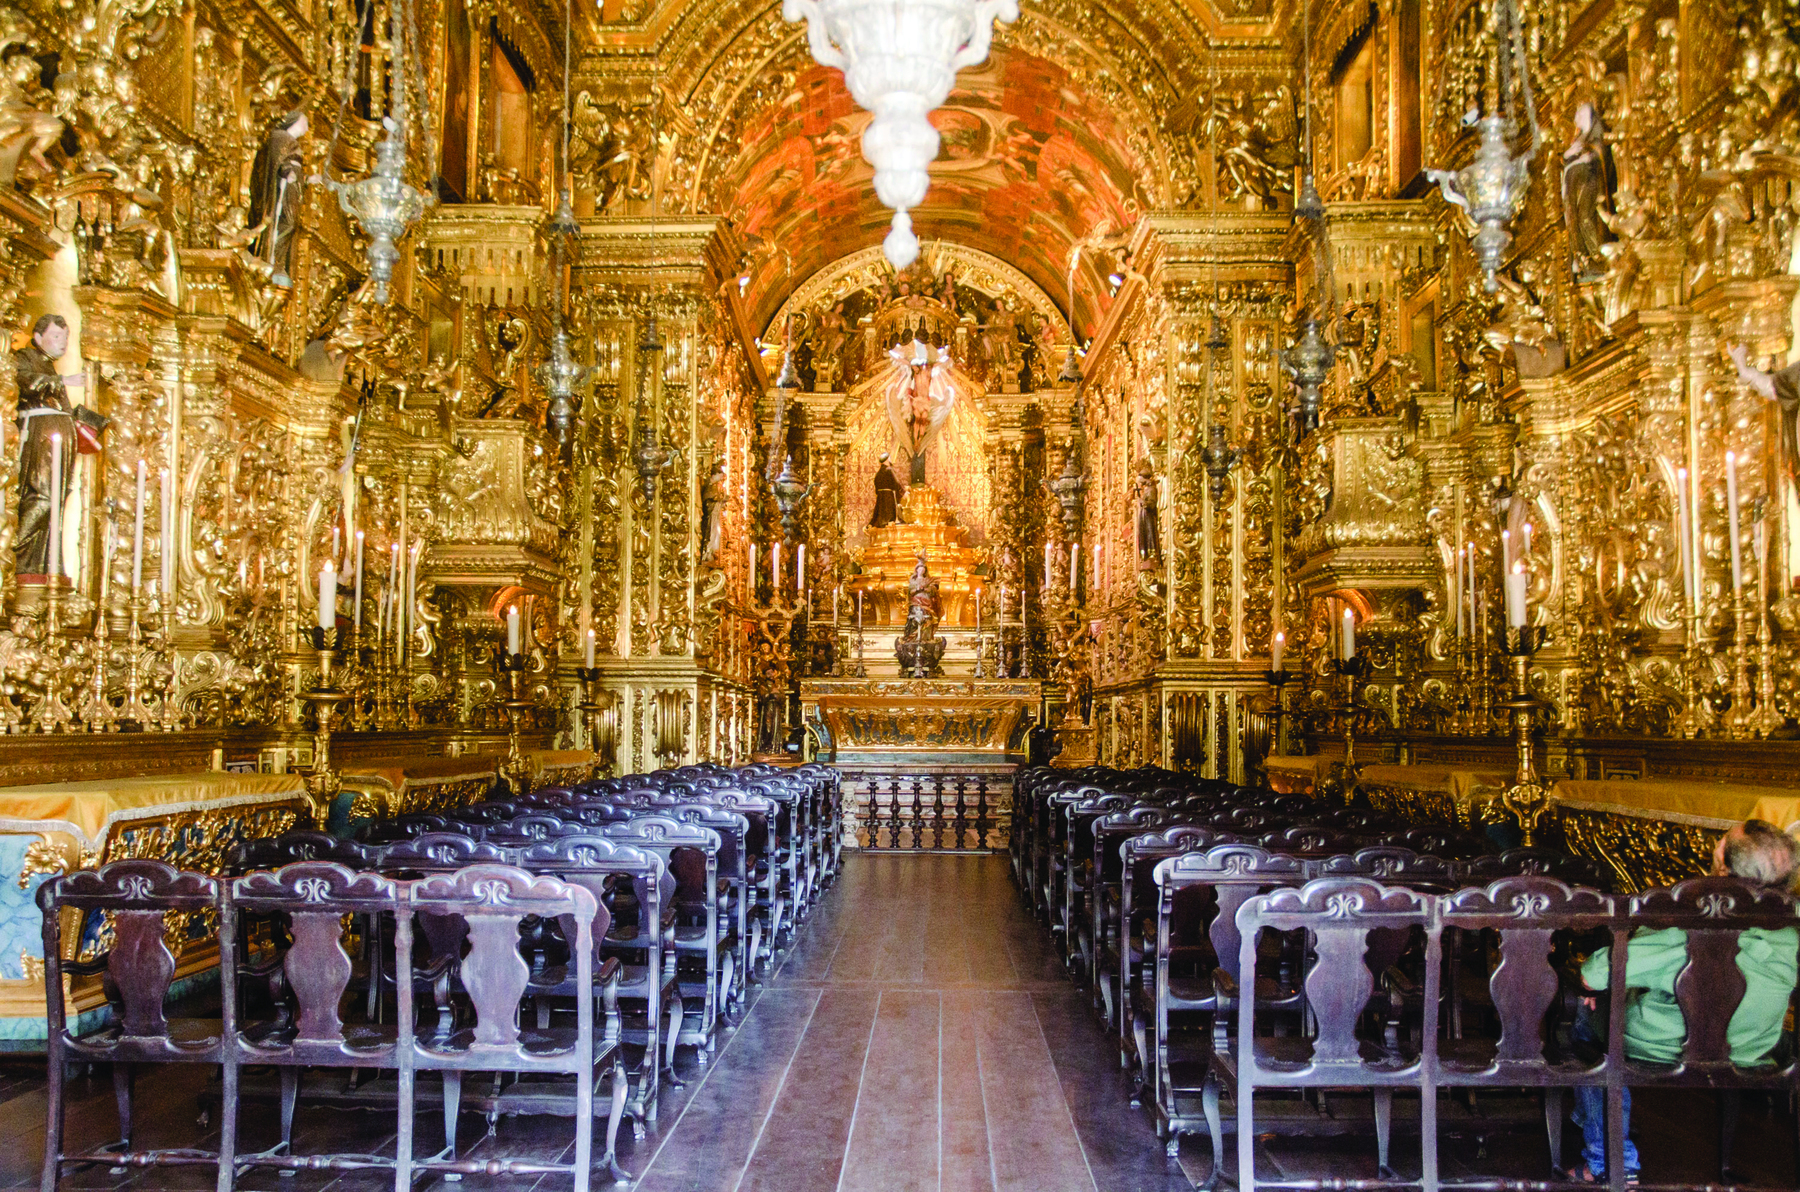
1028,169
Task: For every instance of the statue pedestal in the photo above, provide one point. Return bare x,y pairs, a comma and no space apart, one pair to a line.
927,526
1077,739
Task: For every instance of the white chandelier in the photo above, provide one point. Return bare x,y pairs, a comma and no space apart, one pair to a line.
900,59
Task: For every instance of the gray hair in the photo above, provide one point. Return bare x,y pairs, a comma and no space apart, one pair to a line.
1759,852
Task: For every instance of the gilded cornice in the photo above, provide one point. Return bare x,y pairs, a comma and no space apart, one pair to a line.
690,251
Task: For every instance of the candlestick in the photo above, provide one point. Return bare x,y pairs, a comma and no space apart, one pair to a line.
356,609
327,596
56,500
1515,597
167,546
1731,515
137,534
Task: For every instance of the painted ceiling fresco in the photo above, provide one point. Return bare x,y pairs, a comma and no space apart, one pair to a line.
1027,169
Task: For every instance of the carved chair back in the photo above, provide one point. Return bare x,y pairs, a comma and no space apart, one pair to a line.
301,844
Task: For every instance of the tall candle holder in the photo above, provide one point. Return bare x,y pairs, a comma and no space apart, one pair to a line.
1740,719
323,782
602,732
51,713
1463,722
1767,718
1350,671
1696,713
136,713
516,770
1528,798
170,718
97,711
1277,679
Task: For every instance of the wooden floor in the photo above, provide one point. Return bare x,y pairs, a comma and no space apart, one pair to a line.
921,1035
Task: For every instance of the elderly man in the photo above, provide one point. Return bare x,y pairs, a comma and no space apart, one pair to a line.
1755,851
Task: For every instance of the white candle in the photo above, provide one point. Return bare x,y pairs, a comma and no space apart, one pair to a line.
1525,555
56,493
356,609
978,610
137,535
800,567
337,543
412,587
1731,513
835,593
775,566
512,629
1506,559
1097,584
1681,528
1347,642
1074,565
590,649
1469,552
859,598
168,539
327,597
753,569
391,601
1276,648
1516,581
1046,564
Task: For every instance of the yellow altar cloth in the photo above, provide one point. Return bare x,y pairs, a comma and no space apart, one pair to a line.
390,787
556,766
1296,775
1686,801
88,810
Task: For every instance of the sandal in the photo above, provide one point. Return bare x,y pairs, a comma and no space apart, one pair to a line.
1584,1175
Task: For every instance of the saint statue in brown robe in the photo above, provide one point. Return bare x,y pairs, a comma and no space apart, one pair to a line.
887,495
44,411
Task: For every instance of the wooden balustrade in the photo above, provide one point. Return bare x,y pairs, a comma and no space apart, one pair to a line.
947,810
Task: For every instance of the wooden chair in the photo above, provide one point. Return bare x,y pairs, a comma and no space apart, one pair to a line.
494,902
1337,915
1136,931
309,978
124,908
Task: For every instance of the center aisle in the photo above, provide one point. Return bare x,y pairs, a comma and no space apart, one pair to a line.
921,1035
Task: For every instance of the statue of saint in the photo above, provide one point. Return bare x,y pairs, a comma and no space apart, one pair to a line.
275,180
1149,531
887,495
712,512
44,410
1588,182
1783,388
923,607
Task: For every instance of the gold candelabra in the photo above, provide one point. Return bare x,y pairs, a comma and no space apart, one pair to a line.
97,711
1739,721
136,712
1350,671
170,718
516,769
323,782
1528,798
52,715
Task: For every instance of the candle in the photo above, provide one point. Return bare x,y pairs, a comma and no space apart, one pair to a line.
1761,545
356,609
1515,596
1456,587
1275,651
56,495
336,543
1074,566
1347,641
590,649
1681,528
800,567
390,599
1506,560
412,586
137,535
1469,553
775,566
752,586
1046,564
835,593
327,597
512,629
1526,553
168,539
859,598
1097,584
1731,513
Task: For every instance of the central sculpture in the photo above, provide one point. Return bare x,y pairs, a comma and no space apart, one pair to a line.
919,648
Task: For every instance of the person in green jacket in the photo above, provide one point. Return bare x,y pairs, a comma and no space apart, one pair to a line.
1655,1030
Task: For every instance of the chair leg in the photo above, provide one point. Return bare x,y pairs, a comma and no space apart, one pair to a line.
290,1095
123,1077
617,1111
1384,1131
452,1108
677,1016
228,1123
1731,1105
53,1122
584,1127
403,1141
1553,1129
1215,1128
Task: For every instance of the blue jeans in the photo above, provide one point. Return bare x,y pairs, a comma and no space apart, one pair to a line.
1590,1108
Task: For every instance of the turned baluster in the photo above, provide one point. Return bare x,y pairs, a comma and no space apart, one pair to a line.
962,825
894,812
937,811
981,812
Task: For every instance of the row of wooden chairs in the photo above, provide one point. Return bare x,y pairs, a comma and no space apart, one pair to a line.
694,874
308,967
1143,875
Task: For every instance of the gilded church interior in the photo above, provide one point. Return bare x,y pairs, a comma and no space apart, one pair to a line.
1364,418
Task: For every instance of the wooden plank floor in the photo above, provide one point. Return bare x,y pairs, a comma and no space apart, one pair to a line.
920,1036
